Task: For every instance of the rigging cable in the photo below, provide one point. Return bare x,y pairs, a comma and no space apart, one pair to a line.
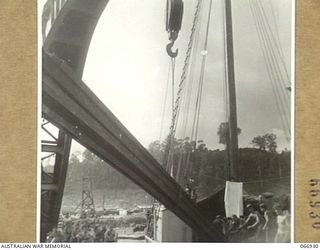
187,96
164,104
174,14
273,56
183,77
284,94
176,109
204,52
275,59
276,38
271,44
195,125
171,143
270,67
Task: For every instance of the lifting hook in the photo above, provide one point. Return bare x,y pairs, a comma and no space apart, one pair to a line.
169,50
174,13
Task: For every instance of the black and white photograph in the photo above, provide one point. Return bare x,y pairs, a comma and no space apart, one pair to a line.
166,121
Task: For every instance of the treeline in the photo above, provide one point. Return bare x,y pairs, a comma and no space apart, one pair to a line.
259,168
102,175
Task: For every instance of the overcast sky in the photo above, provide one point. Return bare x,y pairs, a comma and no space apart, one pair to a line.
127,68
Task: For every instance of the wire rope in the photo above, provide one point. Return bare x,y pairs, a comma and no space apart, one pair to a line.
270,68
276,37
272,55
176,104
270,45
194,132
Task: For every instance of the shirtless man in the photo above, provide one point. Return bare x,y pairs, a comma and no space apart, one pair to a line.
253,224
270,224
283,220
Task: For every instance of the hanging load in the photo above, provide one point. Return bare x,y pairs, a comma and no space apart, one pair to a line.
174,13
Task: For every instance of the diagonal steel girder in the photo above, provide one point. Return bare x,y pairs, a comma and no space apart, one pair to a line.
70,105
69,39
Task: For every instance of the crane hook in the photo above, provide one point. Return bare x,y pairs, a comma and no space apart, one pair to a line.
174,13
169,50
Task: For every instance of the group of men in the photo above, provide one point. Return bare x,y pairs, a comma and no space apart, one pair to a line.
83,231
263,224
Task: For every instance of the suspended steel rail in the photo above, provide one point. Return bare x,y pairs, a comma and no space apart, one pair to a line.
71,106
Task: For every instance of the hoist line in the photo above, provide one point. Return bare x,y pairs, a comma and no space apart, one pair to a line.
187,96
176,105
164,104
276,39
208,26
196,110
184,72
201,80
198,103
202,73
171,148
195,125
275,67
275,62
269,67
173,62
171,138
